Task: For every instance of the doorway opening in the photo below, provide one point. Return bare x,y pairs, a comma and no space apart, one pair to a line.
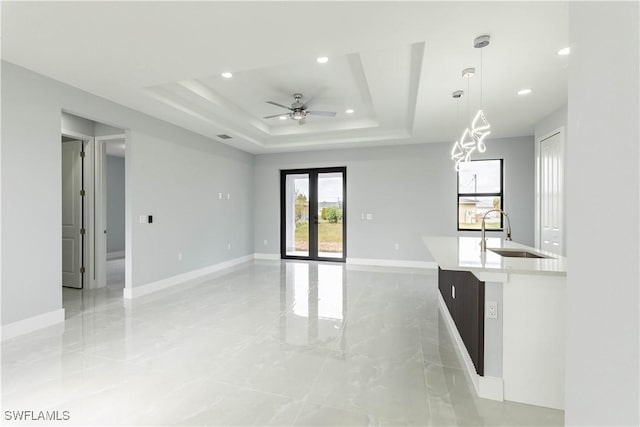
113,202
87,278
313,214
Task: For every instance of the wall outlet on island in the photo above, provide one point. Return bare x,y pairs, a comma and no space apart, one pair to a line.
492,309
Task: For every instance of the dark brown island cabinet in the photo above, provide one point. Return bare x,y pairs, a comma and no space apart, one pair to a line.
463,294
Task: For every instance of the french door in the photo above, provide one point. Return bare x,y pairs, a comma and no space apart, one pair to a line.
313,214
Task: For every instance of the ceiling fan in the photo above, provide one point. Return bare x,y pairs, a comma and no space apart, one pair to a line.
298,110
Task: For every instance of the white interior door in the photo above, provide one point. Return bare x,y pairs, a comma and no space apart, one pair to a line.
72,265
552,194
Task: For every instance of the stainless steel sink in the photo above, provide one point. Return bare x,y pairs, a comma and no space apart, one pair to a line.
517,253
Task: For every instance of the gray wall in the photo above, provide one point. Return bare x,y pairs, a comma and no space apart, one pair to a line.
603,204
115,204
409,189
172,174
78,124
71,122
551,122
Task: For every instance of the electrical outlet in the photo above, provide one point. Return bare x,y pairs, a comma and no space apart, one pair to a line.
397,246
362,216
229,246
369,216
228,196
265,243
492,309
220,196
179,256
453,292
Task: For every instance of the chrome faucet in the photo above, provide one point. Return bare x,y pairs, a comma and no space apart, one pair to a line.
483,240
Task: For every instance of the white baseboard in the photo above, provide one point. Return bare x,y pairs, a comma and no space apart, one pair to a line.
32,324
137,291
115,255
392,263
183,278
485,386
266,256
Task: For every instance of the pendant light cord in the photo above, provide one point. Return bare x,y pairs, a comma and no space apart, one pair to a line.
468,100
481,77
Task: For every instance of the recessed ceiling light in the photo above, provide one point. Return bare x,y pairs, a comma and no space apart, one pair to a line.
227,75
524,91
349,111
283,117
322,59
564,51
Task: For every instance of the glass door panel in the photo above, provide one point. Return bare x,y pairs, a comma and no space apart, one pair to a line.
296,209
330,215
313,214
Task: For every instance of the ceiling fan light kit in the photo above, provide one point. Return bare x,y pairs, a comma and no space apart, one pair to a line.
298,110
473,137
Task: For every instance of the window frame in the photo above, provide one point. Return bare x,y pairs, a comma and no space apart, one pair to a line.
498,194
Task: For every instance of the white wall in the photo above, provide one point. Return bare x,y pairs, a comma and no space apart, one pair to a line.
115,204
409,189
603,354
174,173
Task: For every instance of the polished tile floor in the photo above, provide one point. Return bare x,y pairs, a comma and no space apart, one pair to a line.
263,343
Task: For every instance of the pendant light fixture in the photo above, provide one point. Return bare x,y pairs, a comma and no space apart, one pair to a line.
473,137
457,152
480,125
462,148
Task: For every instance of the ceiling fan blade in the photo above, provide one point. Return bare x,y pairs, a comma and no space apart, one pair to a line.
275,115
307,102
279,105
322,113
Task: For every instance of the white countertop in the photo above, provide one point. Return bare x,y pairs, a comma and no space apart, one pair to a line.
463,254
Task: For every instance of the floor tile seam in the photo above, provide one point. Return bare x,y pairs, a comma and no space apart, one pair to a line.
443,365
254,390
90,351
364,411
67,402
311,388
424,374
129,363
355,304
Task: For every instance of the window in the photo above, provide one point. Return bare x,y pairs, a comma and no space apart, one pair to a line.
479,191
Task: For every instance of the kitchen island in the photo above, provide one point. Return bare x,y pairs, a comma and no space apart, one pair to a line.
507,315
